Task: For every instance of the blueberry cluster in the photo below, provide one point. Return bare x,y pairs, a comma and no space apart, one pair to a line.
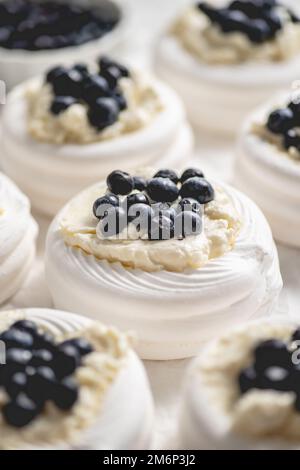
38,370
284,123
273,368
257,19
31,25
164,202
98,91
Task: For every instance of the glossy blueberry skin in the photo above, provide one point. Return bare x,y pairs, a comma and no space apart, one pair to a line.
162,190
106,62
291,139
15,338
295,107
68,83
190,173
259,31
172,175
15,384
139,183
103,113
277,378
94,87
20,411
136,198
55,72
82,346
65,393
41,357
66,360
104,202
61,104
280,121
120,182
248,379
199,189
25,325
272,353
40,383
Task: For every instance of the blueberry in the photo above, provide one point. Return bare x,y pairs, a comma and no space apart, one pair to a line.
105,63
82,346
16,384
136,198
190,173
40,383
212,13
296,335
259,31
187,224
66,360
199,189
274,21
114,222
44,341
276,378
20,411
162,190
94,87
103,203
251,8
54,73
41,357
120,182
103,113
291,139
272,353
120,100
17,358
233,21
65,394
172,175
161,228
82,69
112,75
189,204
248,380
280,121
295,107
139,183
5,34
61,103
68,83
25,325
15,338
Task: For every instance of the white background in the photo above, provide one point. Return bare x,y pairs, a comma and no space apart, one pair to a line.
215,156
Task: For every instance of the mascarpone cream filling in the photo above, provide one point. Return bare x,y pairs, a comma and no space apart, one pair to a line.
101,377
257,419
72,125
208,44
18,232
220,228
270,174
